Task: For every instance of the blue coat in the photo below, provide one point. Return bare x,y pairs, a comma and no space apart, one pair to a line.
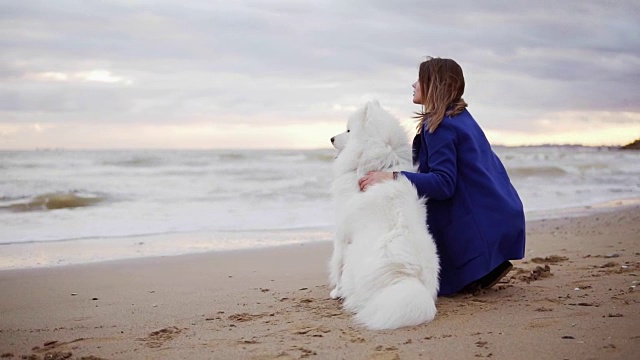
473,211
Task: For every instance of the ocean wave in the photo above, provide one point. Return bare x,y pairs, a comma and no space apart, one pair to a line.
323,157
290,157
53,201
137,161
276,156
232,156
541,171
27,166
92,237
595,167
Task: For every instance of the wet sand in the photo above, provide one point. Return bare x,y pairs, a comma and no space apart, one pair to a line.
574,296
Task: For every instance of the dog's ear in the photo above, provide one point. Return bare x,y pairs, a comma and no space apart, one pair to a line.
374,105
371,109
368,110
365,113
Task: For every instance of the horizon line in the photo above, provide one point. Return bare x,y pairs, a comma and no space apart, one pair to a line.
280,149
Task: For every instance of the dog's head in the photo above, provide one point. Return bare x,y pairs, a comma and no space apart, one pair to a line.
374,140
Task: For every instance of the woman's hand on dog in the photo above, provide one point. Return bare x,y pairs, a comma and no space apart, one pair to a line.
374,177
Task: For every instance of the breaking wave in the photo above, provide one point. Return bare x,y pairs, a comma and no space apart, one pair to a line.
541,171
53,201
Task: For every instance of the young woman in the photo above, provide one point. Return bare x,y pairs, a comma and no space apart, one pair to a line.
474,213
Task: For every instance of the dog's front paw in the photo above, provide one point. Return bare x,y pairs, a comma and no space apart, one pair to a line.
335,294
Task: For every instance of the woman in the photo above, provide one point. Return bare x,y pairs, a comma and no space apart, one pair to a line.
474,213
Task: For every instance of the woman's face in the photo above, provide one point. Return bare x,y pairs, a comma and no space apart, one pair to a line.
417,93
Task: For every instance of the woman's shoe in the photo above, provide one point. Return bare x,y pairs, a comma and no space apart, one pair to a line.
492,278
489,280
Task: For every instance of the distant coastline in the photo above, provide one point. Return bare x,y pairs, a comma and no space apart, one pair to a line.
632,146
635,145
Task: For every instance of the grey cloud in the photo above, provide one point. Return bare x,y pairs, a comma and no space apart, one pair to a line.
290,59
64,100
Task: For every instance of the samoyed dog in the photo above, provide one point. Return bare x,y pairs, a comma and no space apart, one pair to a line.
384,264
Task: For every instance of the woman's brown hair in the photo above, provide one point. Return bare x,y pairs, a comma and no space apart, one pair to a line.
442,85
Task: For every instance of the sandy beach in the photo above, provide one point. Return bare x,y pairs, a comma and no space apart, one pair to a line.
574,296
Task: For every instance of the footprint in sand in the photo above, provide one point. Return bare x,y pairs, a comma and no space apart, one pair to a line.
323,308
244,317
53,344
157,338
312,331
543,309
282,356
304,352
552,259
384,353
352,336
613,267
536,274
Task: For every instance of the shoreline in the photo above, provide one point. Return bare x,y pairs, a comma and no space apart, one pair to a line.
52,254
574,296
49,254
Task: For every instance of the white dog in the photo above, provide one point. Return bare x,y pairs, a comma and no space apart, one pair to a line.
384,264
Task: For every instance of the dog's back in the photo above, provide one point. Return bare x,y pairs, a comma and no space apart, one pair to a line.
390,277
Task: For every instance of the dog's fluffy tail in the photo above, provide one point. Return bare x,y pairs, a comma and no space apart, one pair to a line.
405,303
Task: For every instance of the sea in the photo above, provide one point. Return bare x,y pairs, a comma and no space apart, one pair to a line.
63,207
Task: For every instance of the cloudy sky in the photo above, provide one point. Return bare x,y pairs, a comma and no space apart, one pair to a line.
287,73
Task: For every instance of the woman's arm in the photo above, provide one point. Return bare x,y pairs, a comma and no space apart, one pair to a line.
440,182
